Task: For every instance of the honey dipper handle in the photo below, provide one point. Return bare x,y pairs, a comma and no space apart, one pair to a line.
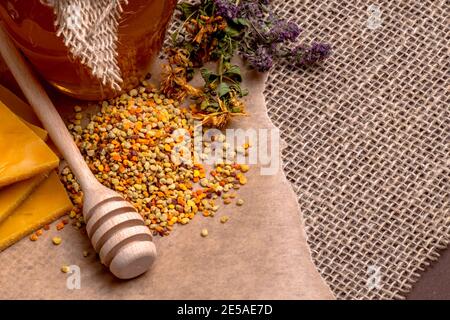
45,110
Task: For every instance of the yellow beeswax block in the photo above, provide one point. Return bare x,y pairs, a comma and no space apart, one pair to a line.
45,205
25,112
22,153
41,133
18,106
14,195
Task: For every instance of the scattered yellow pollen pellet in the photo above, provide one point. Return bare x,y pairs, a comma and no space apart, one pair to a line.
65,269
204,233
185,221
245,167
56,241
224,219
240,202
33,237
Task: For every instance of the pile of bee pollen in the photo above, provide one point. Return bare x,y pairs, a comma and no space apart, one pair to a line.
128,145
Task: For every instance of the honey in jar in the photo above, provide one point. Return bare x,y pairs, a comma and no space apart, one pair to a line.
141,31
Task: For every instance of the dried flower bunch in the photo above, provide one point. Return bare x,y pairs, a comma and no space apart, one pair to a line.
216,30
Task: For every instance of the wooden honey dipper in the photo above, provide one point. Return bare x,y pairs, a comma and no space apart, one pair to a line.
116,230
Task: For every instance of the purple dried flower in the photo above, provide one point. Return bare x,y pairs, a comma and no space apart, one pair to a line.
261,59
268,38
250,10
226,9
318,52
283,30
305,56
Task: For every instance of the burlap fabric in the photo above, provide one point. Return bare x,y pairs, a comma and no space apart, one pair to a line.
368,140
89,30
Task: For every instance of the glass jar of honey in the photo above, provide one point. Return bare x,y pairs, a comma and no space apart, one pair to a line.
141,32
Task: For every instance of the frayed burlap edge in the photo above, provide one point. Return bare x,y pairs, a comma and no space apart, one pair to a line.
89,30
